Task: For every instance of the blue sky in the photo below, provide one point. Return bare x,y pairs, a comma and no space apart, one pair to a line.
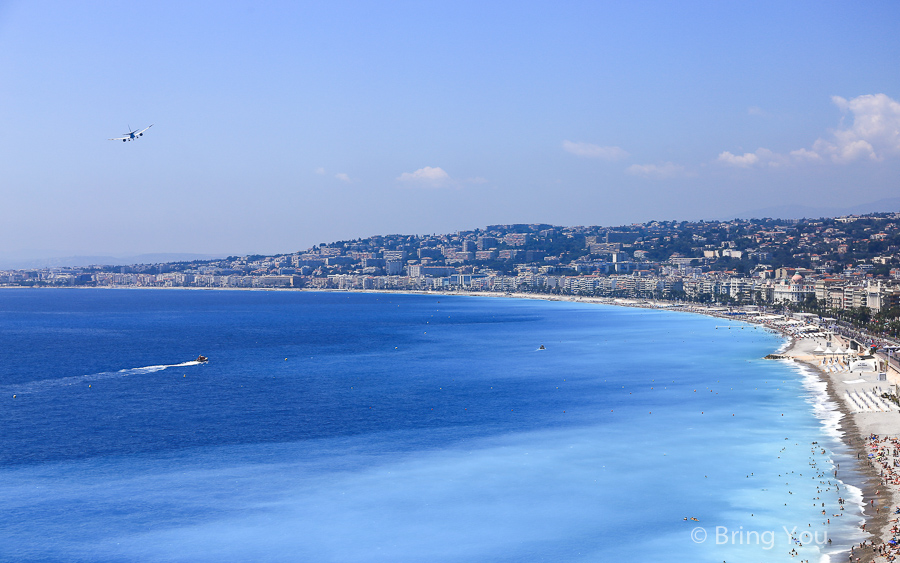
280,125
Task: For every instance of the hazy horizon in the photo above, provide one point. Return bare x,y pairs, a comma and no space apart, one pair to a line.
45,258
280,126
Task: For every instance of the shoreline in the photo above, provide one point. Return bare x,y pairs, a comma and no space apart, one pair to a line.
853,437
879,496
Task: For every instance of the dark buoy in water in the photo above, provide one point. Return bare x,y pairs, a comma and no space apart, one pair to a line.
542,347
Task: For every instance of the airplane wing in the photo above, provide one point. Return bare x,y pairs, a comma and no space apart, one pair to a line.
133,135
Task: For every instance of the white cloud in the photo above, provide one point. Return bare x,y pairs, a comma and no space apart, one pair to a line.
744,161
320,170
804,155
343,177
765,157
437,177
589,150
762,157
874,135
664,170
428,176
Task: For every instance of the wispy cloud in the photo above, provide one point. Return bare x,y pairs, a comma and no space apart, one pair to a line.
588,150
745,160
765,157
802,155
874,135
436,177
428,176
758,111
342,176
319,170
664,170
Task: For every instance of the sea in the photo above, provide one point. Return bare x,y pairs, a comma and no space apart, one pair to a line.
349,427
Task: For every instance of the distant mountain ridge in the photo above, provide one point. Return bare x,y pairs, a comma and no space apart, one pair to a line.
10,263
810,212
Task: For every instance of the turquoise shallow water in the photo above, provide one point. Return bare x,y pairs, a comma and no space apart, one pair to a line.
377,427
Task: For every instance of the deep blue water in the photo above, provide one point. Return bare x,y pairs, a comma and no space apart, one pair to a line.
386,427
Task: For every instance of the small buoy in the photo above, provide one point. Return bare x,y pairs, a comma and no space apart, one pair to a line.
14,396
285,359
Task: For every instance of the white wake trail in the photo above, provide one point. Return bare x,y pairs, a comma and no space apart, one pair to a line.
45,384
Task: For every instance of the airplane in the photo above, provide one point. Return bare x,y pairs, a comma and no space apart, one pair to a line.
132,134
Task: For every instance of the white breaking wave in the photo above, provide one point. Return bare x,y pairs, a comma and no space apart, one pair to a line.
826,410
829,414
784,346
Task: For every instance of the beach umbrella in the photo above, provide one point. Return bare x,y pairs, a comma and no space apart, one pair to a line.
818,350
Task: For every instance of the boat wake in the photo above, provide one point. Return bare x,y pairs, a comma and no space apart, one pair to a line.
44,384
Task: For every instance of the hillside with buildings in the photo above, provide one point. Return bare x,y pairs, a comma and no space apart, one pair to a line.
847,267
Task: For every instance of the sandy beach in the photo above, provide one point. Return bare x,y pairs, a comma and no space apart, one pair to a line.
871,429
